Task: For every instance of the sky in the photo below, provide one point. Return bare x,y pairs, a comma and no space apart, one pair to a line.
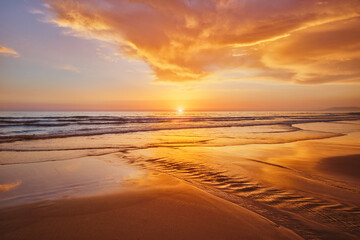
169,54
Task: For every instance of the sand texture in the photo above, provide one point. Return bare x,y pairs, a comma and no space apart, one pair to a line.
166,209
263,182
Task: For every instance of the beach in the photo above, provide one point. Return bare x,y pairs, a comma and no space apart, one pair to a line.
191,176
180,120
166,208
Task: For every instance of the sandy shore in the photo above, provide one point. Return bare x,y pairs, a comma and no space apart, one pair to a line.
166,208
345,166
171,185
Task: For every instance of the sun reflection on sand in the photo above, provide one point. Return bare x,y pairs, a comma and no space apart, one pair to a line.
9,186
280,167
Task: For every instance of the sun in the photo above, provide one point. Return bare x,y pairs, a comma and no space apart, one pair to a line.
180,110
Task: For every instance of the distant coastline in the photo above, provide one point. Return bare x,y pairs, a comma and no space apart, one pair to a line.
343,109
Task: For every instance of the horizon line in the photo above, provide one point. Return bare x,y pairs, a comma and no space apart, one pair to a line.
175,110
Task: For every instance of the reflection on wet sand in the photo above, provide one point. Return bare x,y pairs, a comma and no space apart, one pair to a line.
159,207
8,186
303,177
279,181
63,179
347,166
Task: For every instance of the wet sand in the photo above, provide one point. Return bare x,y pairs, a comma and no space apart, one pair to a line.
163,208
240,183
346,166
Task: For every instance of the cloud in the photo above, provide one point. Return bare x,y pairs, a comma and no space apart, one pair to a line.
70,68
36,11
320,54
8,52
304,41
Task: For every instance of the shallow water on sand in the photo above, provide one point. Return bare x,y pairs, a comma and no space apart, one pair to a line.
297,169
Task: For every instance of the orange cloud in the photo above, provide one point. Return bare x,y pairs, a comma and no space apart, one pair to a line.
185,40
8,52
326,53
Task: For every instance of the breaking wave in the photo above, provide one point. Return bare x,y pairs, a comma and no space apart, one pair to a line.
15,126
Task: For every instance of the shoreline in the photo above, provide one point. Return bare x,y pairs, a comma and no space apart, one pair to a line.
286,183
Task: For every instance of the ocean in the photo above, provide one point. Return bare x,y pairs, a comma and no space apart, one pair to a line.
39,125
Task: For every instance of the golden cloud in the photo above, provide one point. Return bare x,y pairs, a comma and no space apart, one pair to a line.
8,52
307,41
325,53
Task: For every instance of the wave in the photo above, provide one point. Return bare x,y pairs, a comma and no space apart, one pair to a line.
17,128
